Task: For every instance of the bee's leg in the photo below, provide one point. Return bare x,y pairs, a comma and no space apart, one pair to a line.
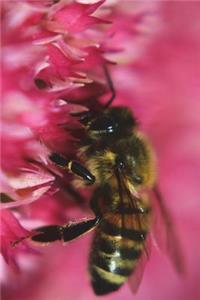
65,233
73,166
74,230
111,86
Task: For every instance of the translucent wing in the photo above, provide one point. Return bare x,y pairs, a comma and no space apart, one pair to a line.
135,279
166,238
138,223
164,232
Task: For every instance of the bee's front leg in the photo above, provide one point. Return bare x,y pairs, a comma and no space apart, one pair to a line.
65,233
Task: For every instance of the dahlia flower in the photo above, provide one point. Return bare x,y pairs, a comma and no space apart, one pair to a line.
53,53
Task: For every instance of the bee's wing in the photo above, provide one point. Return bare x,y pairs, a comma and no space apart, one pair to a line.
164,232
136,277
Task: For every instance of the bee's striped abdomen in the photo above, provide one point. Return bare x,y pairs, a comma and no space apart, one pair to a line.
116,249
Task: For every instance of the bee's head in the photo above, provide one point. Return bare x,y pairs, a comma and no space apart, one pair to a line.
115,121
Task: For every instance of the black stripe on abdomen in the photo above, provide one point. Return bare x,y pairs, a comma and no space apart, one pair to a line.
114,230
108,247
111,262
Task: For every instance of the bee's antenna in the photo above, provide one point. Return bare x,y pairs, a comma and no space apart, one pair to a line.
111,86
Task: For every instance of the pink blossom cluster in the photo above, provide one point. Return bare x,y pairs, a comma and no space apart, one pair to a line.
52,58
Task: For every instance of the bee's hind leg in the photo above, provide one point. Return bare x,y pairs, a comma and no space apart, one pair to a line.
65,233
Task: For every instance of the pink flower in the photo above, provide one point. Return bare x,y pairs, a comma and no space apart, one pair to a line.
11,230
47,52
53,52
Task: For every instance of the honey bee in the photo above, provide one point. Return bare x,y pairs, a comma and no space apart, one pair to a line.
119,161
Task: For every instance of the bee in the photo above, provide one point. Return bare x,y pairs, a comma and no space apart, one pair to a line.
118,160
